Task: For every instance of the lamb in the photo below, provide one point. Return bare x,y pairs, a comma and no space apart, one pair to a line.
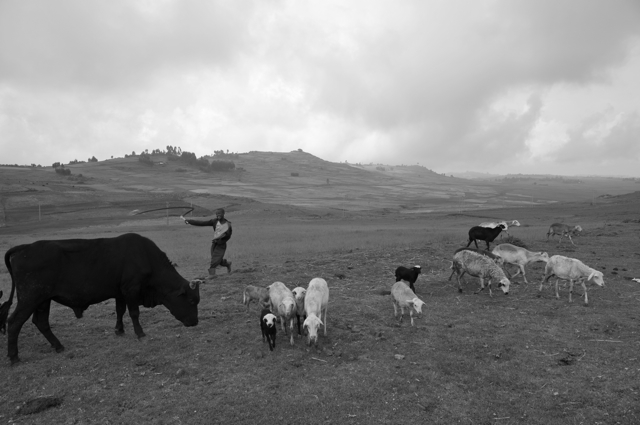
493,224
268,327
410,275
518,256
479,266
257,294
402,296
484,234
571,269
283,304
496,258
316,301
299,293
563,230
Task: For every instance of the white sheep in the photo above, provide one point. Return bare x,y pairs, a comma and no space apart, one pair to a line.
316,301
563,230
480,266
257,294
571,269
494,224
283,304
402,296
299,294
518,256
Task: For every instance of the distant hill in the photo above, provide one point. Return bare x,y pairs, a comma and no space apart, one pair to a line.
116,187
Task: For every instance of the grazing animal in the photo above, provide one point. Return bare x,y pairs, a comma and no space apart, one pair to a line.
493,224
257,294
571,269
80,272
269,327
479,266
497,259
484,234
410,275
563,230
299,293
519,256
316,301
402,296
283,304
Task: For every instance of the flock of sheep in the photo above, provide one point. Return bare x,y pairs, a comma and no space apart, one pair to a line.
279,303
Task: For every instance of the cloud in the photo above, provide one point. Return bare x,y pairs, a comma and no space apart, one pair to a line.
503,84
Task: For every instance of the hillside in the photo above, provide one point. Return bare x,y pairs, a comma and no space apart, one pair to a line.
116,188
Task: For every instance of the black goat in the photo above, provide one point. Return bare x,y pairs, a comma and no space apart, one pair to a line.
410,275
486,234
268,327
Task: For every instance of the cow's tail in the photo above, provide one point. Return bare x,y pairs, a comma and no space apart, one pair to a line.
4,307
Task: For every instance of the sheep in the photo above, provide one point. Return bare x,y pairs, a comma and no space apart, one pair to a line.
283,304
269,327
402,296
299,293
563,230
257,294
570,269
493,224
316,301
497,259
410,275
518,256
479,266
484,234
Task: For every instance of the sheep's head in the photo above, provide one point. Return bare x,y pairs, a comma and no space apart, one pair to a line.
577,229
311,324
417,269
543,256
287,307
417,304
597,277
504,285
269,320
515,223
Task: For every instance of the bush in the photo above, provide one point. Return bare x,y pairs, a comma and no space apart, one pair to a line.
145,158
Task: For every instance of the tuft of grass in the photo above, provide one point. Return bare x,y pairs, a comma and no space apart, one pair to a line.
515,241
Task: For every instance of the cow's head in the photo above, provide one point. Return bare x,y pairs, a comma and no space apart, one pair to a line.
311,324
183,302
269,320
597,277
504,285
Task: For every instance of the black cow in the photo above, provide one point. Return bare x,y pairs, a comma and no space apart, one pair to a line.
80,272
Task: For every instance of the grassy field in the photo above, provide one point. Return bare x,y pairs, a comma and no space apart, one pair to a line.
521,358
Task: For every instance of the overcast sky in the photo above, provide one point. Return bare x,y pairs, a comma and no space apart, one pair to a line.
545,87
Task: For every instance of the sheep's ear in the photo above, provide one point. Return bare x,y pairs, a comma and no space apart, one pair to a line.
320,322
591,275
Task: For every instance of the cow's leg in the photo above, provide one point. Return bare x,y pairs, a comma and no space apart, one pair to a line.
41,320
14,324
121,308
134,313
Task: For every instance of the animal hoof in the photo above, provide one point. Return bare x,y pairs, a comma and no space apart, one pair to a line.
119,332
59,349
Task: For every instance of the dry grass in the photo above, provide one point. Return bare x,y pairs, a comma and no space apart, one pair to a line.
471,358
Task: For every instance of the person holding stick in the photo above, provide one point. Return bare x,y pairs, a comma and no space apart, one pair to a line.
221,234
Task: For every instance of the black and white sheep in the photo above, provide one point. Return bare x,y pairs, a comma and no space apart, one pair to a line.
479,266
268,327
316,301
408,274
257,294
486,234
283,304
402,297
571,269
563,230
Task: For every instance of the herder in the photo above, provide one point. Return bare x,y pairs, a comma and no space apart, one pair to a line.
221,234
